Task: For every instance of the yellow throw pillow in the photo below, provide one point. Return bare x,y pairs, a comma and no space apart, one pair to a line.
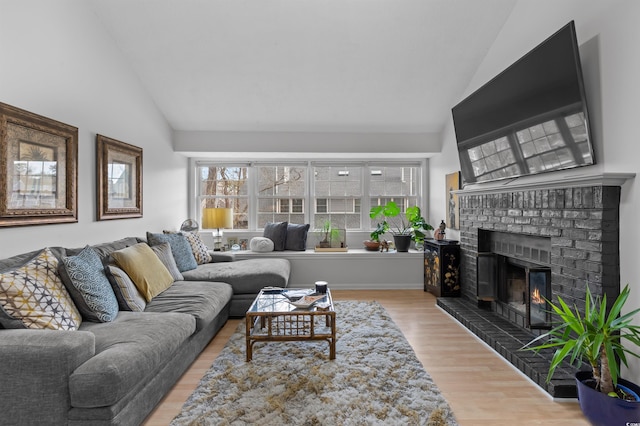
144,268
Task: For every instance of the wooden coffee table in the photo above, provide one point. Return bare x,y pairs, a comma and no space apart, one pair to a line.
271,318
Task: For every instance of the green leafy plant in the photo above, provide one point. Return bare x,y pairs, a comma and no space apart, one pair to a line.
596,338
330,234
411,223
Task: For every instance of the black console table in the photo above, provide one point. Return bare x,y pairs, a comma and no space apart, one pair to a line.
442,267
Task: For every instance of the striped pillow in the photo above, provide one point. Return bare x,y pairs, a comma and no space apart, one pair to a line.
129,298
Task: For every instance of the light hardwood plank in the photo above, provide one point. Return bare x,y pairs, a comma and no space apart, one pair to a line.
482,388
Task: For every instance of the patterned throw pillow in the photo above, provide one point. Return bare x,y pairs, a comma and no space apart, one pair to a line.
89,287
129,298
180,249
34,295
163,251
198,247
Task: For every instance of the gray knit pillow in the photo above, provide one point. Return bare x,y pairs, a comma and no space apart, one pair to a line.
163,251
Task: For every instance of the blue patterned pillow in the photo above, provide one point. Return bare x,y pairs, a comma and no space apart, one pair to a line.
180,248
89,286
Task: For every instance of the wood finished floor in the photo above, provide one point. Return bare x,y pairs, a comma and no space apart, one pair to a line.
481,387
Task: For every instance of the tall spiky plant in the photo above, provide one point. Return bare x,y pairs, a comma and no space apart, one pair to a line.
596,337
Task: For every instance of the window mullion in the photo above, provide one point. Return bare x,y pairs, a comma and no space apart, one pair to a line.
365,203
253,197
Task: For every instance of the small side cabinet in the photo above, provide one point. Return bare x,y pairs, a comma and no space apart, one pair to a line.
442,268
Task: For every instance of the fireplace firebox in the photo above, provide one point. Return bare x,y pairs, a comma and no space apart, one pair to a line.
512,274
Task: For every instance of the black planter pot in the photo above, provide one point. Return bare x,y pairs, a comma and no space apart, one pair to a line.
402,242
604,410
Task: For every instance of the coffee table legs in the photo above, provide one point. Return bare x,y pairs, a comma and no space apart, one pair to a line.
330,320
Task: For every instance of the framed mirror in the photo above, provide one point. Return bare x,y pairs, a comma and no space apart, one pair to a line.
119,168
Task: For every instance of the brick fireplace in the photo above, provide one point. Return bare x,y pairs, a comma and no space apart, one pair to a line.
573,223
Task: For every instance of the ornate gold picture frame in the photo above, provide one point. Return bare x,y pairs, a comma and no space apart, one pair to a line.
119,168
38,169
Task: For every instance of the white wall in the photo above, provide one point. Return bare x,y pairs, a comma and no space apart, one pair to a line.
57,61
609,38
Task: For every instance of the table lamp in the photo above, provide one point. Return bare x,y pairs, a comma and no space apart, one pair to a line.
217,218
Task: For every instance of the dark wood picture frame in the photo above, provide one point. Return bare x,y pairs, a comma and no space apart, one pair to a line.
119,179
38,169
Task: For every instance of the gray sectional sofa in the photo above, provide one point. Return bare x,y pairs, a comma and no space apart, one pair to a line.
116,372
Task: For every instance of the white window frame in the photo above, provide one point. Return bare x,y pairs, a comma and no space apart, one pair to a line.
309,205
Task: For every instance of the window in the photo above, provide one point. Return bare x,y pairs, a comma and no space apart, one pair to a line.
340,192
225,186
336,189
281,194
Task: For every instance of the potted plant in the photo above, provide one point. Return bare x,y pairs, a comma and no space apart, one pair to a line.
404,229
373,244
328,236
597,338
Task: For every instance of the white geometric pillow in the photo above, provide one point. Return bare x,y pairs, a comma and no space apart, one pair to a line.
198,247
34,294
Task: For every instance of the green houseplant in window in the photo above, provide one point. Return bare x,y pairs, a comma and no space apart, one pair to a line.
405,228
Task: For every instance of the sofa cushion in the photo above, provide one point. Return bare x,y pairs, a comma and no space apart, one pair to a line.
163,251
276,232
105,249
179,247
203,300
144,268
129,350
129,298
245,276
85,278
33,296
297,237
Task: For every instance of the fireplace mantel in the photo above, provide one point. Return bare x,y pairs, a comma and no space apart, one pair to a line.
572,181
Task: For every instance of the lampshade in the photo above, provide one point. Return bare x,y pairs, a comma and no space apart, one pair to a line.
216,218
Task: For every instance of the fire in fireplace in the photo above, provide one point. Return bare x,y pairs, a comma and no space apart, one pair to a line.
524,290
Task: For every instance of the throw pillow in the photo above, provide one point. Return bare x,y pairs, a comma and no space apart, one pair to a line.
163,251
276,232
198,247
261,244
34,295
180,249
89,286
129,298
145,269
297,237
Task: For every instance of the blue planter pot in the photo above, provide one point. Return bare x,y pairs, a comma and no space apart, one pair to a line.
604,410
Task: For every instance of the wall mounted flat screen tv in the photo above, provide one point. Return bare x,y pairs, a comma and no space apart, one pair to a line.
531,118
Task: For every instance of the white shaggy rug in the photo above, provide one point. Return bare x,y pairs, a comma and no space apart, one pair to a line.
375,379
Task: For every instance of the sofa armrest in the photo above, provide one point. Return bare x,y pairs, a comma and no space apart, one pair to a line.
222,256
35,370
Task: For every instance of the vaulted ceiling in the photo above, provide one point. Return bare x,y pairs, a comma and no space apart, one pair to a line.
304,65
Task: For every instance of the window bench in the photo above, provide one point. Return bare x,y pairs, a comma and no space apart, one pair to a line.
356,269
